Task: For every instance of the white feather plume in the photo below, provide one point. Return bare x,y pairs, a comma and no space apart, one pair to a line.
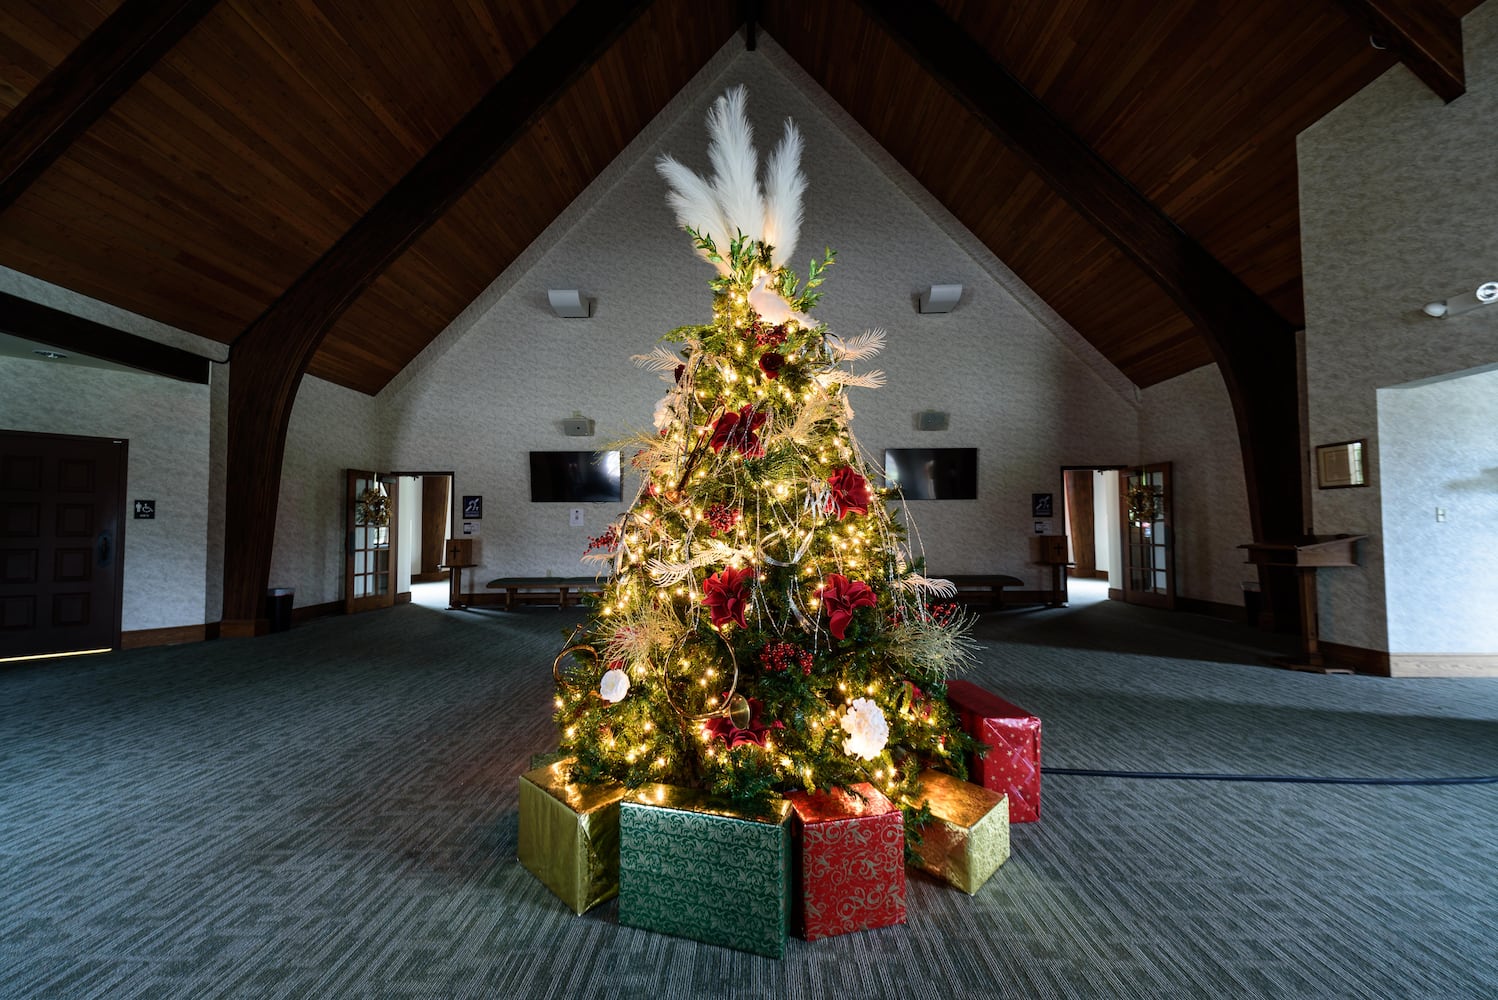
865,345
936,587
868,380
659,360
784,186
695,203
735,167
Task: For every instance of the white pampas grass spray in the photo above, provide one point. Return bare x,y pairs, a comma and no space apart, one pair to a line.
784,186
694,201
735,167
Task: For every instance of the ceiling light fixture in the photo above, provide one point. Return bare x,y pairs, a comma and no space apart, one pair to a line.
1484,295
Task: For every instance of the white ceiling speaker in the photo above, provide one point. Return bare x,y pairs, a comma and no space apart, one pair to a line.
568,303
940,298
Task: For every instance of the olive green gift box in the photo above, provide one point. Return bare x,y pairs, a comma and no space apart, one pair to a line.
968,836
569,835
696,867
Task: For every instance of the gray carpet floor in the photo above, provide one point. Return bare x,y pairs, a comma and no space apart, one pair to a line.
331,812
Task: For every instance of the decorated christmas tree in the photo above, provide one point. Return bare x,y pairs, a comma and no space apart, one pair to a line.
765,626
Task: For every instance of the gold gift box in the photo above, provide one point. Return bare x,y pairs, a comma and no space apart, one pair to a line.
569,835
968,836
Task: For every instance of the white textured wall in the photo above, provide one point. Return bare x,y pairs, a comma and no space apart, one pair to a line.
1019,385
332,429
167,425
1188,421
1439,445
1396,210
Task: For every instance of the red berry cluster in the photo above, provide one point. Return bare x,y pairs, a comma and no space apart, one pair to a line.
766,335
607,540
778,656
721,517
941,614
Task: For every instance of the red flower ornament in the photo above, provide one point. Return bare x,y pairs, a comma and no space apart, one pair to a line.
740,431
771,362
722,728
726,595
841,597
850,493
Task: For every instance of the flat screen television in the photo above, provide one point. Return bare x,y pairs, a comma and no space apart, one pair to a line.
932,473
575,477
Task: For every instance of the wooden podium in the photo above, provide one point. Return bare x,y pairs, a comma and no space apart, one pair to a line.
1305,557
1051,550
457,555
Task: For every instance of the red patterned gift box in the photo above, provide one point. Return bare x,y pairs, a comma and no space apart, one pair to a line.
850,869
1012,765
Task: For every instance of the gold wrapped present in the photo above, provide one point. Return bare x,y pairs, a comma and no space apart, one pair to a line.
968,836
569,835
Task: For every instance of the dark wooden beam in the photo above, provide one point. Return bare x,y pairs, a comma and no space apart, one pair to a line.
1425,36
271,355
1253,345
86,84
45,325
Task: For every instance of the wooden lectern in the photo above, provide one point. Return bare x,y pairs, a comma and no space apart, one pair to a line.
1305,557
1051,550
457,555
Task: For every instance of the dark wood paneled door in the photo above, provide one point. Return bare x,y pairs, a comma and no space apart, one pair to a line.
1149,548
62,536
369,571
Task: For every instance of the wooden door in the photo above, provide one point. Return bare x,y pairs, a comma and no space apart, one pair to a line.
369,569
62,536
1149,555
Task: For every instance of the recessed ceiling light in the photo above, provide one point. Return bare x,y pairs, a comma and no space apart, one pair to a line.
51,355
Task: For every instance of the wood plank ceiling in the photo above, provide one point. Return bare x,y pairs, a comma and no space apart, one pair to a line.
263,135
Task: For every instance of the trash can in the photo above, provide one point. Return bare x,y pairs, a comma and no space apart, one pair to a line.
278,607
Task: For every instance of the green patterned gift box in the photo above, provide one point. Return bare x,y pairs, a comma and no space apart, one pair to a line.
695,867
569,835
968,836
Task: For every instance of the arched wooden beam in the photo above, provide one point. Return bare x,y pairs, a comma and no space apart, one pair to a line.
86,84
1424,34
1253,345
269,358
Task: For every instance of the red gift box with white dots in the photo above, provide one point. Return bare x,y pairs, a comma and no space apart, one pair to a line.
1012,764
850,865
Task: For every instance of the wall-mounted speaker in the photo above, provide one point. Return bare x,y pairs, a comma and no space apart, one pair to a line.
577,427
931,420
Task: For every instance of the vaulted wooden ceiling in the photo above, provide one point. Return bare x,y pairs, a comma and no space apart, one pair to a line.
241,140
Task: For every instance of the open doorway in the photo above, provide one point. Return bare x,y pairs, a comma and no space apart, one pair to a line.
426,506
1091,517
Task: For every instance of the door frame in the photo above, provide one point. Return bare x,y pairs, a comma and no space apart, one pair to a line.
403,552
368,602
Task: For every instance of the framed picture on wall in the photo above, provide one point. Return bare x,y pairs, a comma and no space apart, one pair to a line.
1340,465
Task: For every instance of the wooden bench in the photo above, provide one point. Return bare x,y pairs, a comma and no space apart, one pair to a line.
983,590
562,591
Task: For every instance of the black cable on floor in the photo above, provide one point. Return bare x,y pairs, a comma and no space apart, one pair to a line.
1299,779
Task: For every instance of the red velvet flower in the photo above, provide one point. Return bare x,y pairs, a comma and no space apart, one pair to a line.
722,727
771,362
726,595
850,493
740,431
841,597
